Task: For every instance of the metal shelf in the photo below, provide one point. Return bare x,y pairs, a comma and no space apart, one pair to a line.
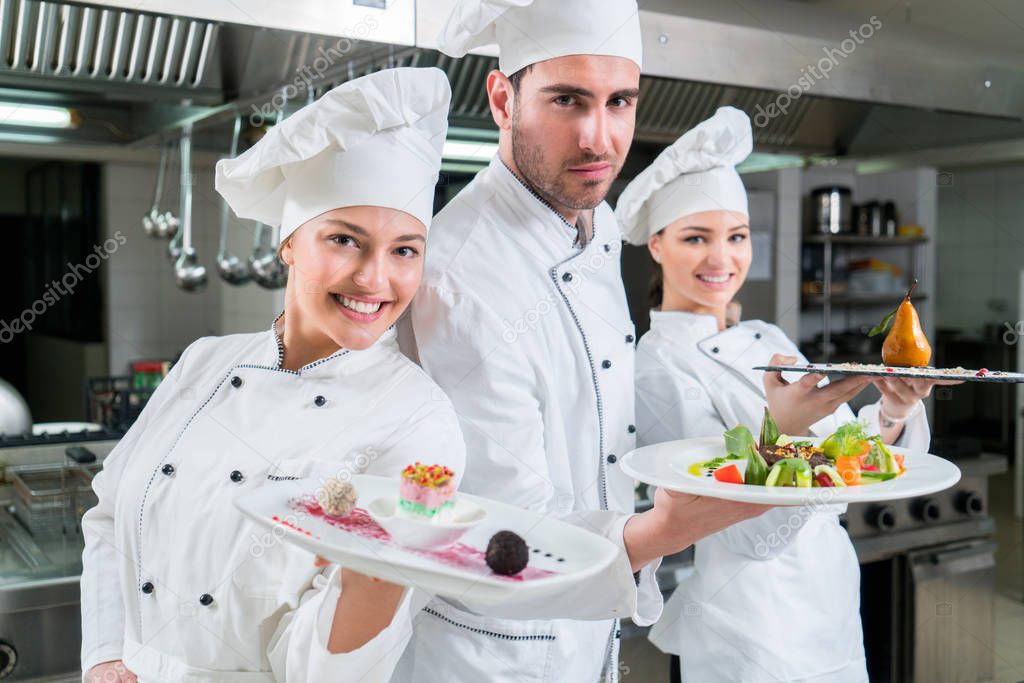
868,240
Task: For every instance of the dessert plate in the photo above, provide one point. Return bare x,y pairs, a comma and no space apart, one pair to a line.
956,374
668,465
561,555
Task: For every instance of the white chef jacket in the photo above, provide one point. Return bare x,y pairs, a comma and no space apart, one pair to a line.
227,420
775,598
531,338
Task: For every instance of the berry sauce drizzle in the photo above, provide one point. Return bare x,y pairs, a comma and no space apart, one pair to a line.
457,555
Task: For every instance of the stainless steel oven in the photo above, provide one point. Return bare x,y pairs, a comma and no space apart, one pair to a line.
43,493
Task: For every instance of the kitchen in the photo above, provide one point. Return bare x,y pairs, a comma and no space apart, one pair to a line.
889,146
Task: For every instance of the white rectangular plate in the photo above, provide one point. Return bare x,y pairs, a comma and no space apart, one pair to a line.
561,555
667,464
961,374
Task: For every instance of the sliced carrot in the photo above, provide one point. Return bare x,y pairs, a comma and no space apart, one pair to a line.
848,467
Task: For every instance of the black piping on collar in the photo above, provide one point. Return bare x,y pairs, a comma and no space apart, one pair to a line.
307,366
536,195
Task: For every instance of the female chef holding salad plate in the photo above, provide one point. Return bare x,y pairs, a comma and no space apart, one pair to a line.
756,608
177,585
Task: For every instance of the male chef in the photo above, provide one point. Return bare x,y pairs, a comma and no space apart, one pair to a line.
522,320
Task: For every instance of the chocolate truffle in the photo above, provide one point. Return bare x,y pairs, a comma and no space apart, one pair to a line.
507,553
337,497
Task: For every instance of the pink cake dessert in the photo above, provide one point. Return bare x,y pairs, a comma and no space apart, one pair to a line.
427,492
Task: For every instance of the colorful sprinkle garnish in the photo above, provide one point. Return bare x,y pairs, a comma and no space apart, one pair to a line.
428,475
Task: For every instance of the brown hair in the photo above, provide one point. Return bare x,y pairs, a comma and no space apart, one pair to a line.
656,290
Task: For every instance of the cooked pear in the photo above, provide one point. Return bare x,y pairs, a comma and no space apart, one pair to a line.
906,344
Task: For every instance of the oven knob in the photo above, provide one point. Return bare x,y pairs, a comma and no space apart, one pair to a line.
927,510
882,517
8,659
970,503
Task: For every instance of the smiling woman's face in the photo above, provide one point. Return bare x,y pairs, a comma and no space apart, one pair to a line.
353,272
704,260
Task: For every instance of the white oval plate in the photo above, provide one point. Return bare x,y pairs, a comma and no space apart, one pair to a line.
561,555
667,465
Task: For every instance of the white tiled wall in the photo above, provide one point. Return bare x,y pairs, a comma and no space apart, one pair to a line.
147,315
980,247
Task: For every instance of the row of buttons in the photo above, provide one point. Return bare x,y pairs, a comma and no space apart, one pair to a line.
168,470
205,599
318,401
757,335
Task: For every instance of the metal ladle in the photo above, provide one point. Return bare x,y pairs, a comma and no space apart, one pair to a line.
151,221
268,271
230,267
166,223
188,273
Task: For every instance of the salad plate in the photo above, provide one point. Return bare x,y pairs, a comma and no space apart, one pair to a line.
848,466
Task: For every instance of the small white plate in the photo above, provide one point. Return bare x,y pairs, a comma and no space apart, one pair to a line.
421,533
667,465
561,555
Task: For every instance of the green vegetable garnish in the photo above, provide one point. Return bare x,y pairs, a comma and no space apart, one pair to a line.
848,440
769,430
831,473
881,457
740,442
868,476
790,472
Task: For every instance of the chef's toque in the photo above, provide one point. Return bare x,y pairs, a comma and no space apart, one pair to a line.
696,173
531,31
373,141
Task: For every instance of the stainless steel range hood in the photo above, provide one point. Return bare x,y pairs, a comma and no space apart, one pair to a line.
139,74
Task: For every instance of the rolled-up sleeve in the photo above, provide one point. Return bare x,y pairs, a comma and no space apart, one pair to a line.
298,650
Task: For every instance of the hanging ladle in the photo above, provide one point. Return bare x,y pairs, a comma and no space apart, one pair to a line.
167,223
230,267
188,273
268,271
151,221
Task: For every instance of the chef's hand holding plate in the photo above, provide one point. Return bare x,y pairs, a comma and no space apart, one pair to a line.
798,405
111,672
901,395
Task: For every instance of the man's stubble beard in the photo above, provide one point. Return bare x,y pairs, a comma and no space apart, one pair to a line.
529,159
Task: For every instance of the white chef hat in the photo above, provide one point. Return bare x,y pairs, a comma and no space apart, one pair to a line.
373,141
531,31
695,173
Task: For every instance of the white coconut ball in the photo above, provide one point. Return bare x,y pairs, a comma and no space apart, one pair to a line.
337,497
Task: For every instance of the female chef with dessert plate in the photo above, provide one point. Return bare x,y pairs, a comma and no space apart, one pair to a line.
177,584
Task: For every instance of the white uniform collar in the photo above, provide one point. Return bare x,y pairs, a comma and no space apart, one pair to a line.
328,364
697,325
555,234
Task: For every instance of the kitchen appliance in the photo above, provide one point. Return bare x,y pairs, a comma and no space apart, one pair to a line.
43,494
831,210
928,578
